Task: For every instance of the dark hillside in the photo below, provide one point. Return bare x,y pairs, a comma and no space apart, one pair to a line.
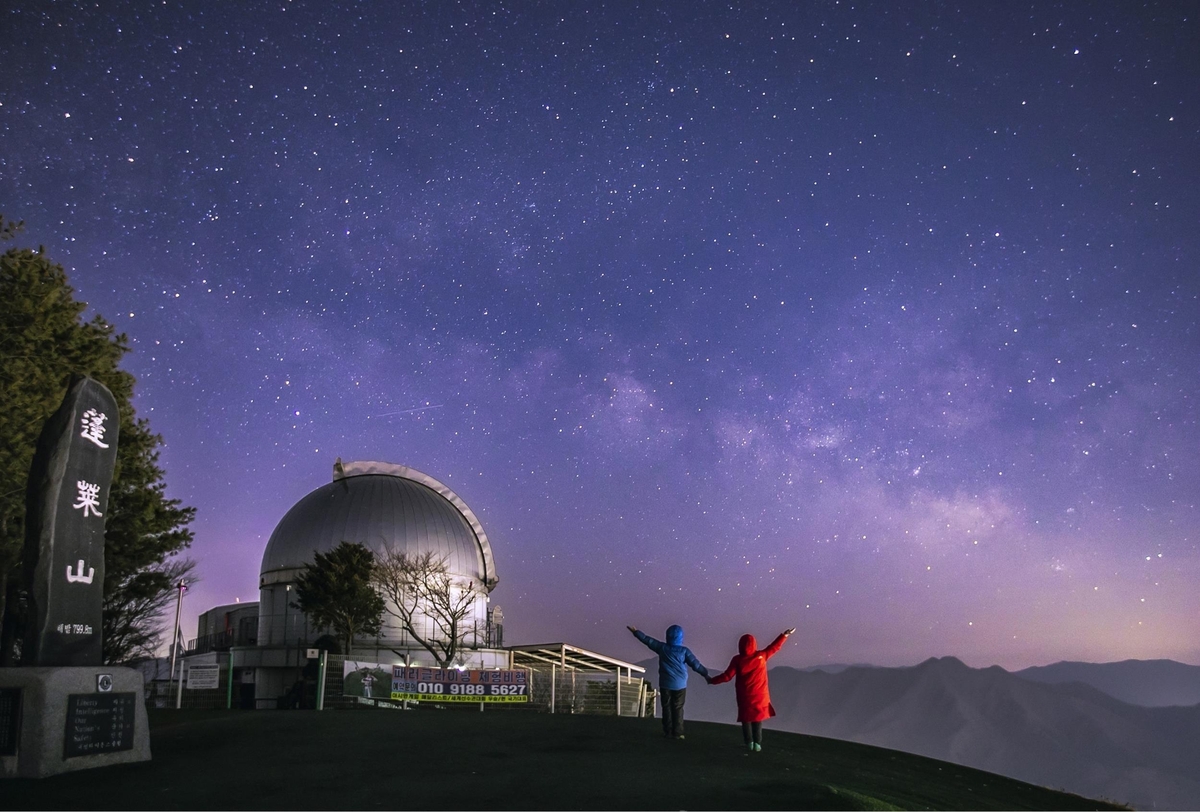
459,759
1069,735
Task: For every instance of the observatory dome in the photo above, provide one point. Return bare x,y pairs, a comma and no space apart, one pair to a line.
382,506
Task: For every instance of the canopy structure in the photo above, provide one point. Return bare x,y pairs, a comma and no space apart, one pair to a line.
569,657
569,679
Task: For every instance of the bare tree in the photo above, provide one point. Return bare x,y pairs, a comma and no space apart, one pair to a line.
420,585
136,607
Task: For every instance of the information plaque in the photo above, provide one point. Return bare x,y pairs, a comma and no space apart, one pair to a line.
99,723
10,720
200,677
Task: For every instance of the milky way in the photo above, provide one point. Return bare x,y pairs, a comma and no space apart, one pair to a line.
880,323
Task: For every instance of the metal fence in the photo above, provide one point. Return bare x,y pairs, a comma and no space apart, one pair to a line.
335,684
246,634
551,690
172,694
556,690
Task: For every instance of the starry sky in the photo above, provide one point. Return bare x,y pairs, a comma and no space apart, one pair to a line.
878,322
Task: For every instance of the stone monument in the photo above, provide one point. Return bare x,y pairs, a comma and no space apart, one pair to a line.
63,709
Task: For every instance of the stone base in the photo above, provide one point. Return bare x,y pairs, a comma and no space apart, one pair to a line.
72,719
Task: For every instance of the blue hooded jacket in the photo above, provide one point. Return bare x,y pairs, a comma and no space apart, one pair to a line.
674,659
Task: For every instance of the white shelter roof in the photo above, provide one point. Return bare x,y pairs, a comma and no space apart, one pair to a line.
568,656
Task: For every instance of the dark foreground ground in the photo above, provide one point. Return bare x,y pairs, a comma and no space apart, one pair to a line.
508,759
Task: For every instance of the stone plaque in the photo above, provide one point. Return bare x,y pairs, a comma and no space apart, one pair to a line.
99,723
66,504
10,720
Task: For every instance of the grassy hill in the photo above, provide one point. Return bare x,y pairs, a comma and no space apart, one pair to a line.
1068,735
509,759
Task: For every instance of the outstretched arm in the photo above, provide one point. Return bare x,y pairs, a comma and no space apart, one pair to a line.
647,640
695,664
724,676
773,649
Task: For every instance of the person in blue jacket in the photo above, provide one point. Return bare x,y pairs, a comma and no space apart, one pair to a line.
674,659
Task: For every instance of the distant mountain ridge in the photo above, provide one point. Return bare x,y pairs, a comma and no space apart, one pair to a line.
1152,683
1069,735
835,668
651,666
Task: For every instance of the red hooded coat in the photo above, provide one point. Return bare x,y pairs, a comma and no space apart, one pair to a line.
750,668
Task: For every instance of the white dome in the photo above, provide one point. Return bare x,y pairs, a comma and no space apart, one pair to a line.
385,508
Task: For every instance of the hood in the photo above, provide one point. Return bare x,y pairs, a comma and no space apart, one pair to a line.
747,645
675,635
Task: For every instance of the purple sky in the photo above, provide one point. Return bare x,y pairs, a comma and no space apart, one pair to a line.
881,324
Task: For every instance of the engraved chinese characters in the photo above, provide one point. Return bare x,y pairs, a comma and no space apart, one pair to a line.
93,427
64,541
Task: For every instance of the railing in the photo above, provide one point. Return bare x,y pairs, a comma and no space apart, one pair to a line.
573,691
551,690
221,641
166,693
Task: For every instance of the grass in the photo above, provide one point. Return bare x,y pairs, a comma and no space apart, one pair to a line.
509,759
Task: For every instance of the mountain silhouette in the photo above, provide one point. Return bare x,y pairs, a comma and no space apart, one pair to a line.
1153,683
1070,736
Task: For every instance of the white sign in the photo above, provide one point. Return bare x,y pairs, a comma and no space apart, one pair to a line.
200,677
313,653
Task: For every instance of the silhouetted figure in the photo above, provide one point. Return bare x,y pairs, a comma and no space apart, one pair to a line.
674,659
295,696
753,697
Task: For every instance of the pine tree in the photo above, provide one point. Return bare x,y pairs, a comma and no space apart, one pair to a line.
43,339
335,591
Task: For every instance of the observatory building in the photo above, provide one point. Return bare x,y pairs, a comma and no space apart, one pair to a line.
264,654
388,509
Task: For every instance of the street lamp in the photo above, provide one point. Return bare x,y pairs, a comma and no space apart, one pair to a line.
182,587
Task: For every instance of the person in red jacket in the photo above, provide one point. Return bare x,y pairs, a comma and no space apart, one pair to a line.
753,698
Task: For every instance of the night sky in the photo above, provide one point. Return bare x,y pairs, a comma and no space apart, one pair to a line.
880,323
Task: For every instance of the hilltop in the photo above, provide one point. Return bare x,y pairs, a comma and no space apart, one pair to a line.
1067,735
509,759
